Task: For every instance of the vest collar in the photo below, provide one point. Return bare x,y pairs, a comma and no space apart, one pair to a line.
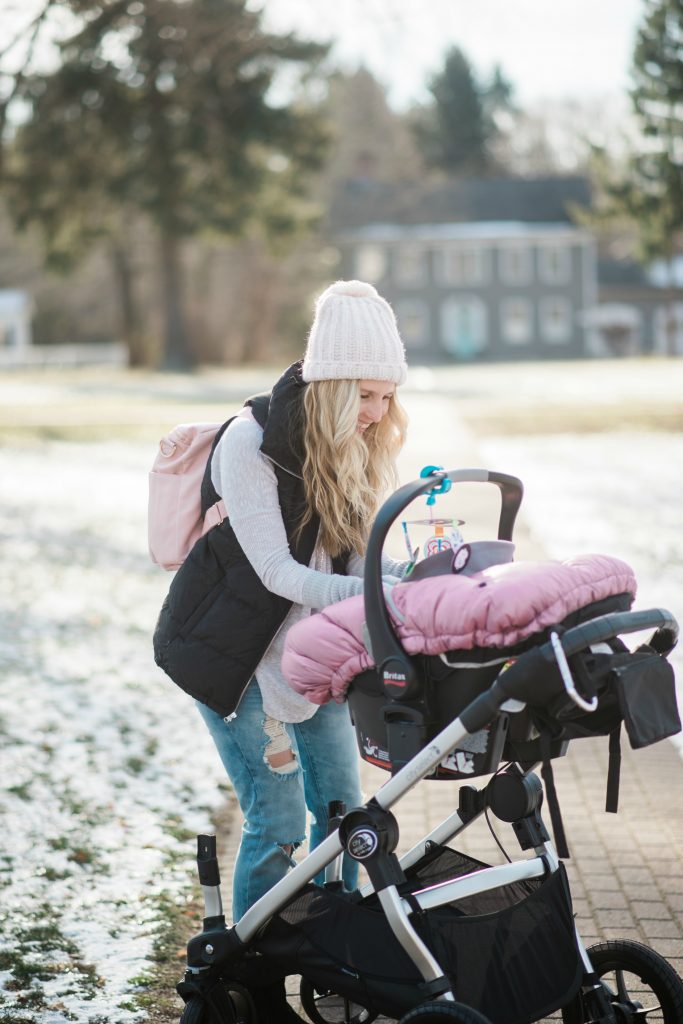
283,430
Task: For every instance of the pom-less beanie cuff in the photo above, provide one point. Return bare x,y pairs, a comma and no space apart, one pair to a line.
354,337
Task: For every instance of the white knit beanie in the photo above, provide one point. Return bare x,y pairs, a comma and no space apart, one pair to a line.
354,337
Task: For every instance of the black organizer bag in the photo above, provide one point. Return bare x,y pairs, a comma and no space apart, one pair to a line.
637,688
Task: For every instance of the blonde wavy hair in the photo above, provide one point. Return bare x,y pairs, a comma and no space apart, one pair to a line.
346,474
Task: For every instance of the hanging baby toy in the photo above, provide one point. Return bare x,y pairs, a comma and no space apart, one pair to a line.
445,535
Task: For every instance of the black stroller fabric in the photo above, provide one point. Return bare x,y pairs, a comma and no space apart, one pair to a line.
637,688
343,946
510,953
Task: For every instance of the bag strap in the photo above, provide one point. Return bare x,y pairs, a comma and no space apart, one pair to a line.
259,407
551,794
613,771
209,494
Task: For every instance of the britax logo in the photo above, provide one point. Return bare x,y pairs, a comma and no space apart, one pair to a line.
395,677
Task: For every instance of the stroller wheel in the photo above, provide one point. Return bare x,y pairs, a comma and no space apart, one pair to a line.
323,1006
196,1012
441,1012
238,1008
641,985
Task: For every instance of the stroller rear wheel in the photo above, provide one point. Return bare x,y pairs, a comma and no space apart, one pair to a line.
440,1012
641,985
238,1008
323,1006
196,1012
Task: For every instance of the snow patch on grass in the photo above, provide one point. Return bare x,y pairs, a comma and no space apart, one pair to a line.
107,769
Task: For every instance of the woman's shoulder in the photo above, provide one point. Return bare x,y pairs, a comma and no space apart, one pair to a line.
243,437
243,431
238,457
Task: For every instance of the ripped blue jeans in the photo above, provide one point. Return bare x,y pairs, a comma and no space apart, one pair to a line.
317,761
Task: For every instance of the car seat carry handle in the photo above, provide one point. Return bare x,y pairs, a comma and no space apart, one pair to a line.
511,494
400,680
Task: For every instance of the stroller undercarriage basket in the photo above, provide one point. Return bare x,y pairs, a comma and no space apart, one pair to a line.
511,952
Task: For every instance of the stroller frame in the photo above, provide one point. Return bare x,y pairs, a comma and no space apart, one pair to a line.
370,833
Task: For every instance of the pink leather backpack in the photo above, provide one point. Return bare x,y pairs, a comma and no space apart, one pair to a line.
174,519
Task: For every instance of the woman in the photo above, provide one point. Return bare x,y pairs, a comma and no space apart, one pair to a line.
301,472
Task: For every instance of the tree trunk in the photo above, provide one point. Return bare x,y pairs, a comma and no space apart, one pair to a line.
260,298
131,332
177,355
265,316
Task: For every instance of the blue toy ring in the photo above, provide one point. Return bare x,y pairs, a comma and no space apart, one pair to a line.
442,488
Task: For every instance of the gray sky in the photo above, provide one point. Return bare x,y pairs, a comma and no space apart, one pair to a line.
550,49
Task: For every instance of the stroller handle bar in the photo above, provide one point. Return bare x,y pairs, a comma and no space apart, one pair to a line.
388,653
603,628
520,681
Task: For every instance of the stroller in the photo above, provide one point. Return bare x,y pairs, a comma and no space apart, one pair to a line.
436,935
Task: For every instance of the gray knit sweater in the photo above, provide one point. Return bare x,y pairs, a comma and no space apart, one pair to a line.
246,480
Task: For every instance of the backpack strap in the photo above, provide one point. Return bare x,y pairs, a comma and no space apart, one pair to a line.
259,407
209,494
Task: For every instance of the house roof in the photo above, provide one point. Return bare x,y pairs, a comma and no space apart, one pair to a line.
631,281
530,200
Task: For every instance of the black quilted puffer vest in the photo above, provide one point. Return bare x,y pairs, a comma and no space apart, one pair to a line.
218,618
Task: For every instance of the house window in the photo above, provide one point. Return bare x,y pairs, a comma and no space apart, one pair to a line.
464,327
554,264
556,320
668,329
515,264
8,335
371,263
461,265
517,321
413,323
410,268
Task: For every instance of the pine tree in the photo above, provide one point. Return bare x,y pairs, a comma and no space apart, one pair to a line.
646,193
497,103
164,108
653,188
453,129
